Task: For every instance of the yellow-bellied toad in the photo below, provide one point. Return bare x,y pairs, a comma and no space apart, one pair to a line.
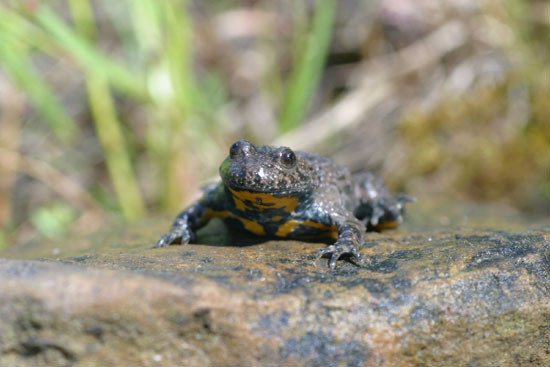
274,191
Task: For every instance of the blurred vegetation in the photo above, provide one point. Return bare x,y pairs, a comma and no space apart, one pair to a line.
493,142
112,111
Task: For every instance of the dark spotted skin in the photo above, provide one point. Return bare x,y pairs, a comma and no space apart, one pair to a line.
274,191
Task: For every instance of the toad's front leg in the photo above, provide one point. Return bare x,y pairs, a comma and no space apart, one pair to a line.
196,216
350,239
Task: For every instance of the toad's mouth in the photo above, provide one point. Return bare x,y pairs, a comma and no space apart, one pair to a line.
277,191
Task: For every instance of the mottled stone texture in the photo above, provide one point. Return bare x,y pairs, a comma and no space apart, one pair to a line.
456,286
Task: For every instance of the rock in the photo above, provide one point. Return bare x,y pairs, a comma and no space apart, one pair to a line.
457,285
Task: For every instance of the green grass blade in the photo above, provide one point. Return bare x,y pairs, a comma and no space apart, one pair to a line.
95,62
179,54
22,31
178,58
147,25
108,126
114,147
15,61
177,92
308,66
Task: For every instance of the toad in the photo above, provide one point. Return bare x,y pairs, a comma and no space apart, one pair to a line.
278,192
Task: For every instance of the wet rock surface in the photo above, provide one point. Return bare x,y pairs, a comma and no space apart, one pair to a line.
457,285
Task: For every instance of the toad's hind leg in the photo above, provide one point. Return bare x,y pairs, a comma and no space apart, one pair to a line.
376,207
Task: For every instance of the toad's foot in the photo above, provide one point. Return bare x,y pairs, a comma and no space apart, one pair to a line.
337,250
176,236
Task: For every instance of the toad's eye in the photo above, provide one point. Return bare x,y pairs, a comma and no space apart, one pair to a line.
288,158
241,148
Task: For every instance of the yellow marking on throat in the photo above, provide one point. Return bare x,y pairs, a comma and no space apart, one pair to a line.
240,204
248,224
286,228
260,200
